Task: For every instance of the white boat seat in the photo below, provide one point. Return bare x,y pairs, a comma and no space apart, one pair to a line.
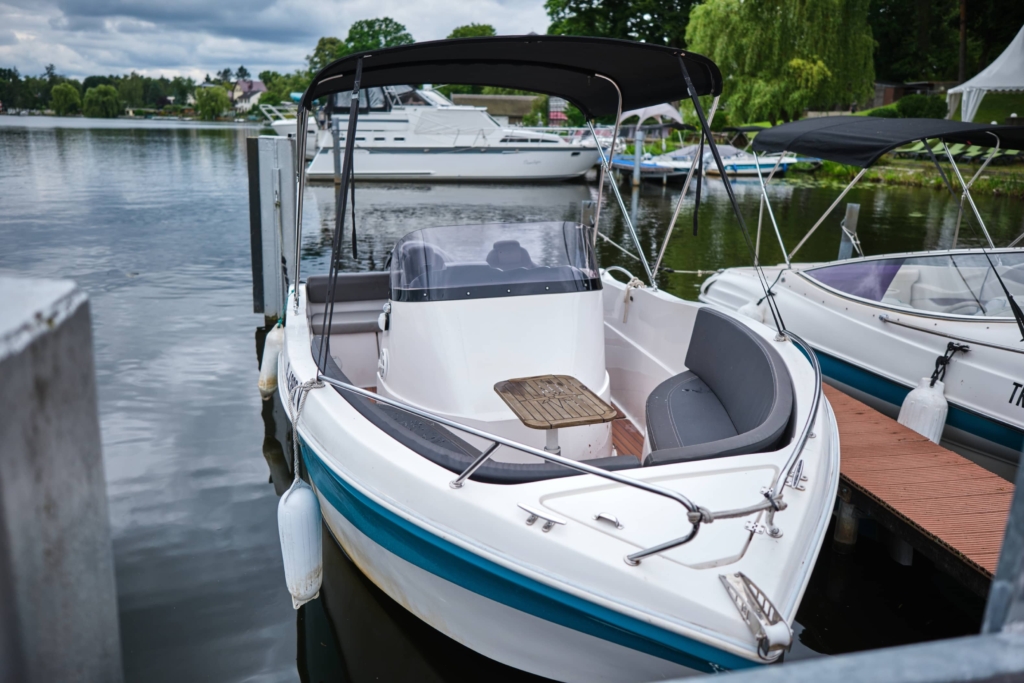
736,397
444,448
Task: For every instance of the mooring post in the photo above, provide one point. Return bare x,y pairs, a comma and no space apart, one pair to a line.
849,225
336,134
271,221
588,213
638,153
845,537
1004,610
60,613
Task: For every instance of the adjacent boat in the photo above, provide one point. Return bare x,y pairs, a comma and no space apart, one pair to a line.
405,133
879,324
584,478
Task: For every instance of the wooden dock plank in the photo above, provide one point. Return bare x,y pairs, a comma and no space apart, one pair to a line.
953,502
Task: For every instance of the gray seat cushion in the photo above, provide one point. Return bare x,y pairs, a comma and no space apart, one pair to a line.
736,398
346,322
683,411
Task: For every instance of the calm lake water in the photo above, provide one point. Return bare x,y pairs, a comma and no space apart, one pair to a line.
151,219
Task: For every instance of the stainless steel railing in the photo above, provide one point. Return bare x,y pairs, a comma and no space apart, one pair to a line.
696,515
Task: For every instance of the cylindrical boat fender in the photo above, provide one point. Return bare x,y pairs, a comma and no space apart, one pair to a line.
924,409
272,346
298,522
753,309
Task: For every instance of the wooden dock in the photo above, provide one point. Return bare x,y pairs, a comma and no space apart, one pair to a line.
946,507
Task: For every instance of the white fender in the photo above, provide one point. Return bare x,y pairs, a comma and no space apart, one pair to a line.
924,409
272,346
754,310
298,522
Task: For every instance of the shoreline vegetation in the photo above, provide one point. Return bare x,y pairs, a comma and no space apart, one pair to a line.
999,181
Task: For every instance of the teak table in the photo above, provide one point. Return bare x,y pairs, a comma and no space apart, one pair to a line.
551,402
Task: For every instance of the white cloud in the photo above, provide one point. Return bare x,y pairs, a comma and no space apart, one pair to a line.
195,37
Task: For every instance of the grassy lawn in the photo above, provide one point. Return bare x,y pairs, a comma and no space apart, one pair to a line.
997,106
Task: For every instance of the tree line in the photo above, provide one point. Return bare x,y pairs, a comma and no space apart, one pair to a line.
779,57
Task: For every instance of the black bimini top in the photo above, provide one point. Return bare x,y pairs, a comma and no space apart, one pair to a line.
861,140
564,66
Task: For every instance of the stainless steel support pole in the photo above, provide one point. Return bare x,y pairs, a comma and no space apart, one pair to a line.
638,153
771,215
695,164
967,194
301,123
625,215
827,212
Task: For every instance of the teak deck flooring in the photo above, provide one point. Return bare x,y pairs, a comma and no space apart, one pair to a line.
954,502
627,439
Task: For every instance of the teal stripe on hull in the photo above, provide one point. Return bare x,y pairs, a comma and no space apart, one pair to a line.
481,576
894,393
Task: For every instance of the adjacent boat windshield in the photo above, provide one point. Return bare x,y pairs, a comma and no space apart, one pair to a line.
493,260
959,284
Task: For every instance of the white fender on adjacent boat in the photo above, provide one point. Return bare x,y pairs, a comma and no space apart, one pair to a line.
924,409
299,523
268,370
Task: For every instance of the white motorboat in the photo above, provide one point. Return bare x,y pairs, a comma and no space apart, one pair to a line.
879,324
737,162
458,414
410,134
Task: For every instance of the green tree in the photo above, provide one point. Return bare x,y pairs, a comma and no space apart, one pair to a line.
374,34
473,31
242,74
225,75
132,90
782,56
211,102
102,102
10,88
64,99
662,22
93,81
326,51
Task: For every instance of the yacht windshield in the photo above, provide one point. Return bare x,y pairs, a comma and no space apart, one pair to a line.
493,260
960,284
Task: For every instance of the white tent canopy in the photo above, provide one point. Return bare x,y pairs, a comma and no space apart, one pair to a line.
655,112
1005,74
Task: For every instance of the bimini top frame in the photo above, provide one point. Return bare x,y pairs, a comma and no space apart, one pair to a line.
862,140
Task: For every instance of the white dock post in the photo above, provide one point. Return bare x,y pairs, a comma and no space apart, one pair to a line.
61,619
638,153
588,212
271,221
850,225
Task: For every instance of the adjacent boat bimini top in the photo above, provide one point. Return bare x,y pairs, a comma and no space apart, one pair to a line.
862,140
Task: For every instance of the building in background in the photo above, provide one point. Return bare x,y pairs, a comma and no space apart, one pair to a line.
246,93
556,112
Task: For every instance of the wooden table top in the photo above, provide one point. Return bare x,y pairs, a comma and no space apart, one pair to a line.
553,401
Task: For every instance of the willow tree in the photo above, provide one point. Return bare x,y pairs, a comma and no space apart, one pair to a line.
780,57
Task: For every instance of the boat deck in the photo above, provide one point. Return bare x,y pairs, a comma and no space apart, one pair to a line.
946,507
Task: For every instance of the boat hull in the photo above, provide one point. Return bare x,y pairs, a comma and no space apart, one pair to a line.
492,163
497,613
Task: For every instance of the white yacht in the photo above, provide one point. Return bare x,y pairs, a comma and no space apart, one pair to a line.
581,477
882,325
405,133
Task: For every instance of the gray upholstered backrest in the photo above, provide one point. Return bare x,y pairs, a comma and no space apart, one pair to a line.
365,286
746,374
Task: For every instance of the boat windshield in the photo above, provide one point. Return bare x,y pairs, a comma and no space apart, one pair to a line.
493,260
960,284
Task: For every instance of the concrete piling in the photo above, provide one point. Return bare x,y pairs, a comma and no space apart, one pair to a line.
58,598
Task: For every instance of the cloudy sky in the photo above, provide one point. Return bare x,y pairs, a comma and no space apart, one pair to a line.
196,37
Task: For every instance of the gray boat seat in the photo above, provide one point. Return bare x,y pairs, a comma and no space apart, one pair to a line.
358,301
735,398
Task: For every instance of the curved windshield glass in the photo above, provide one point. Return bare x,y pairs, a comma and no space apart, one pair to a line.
960,284
493,260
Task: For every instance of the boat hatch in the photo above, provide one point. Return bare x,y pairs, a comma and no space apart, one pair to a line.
642,517
959,284
494,260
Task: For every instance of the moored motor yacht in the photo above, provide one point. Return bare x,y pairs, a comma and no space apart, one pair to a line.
405,133
584,478
882,325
